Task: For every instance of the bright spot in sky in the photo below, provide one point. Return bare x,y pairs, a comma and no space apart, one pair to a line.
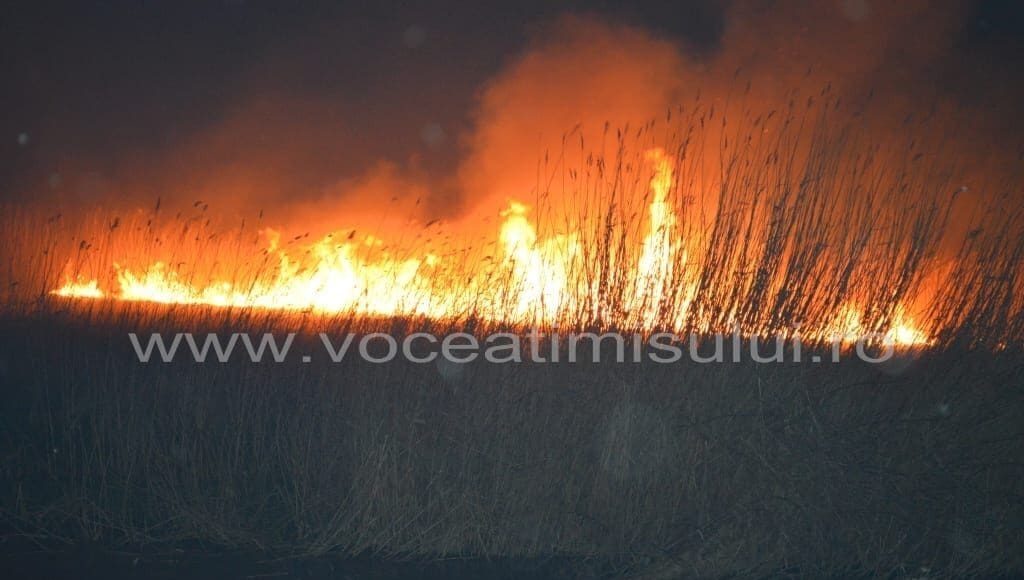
414,36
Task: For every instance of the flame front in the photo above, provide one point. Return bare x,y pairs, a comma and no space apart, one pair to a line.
533,280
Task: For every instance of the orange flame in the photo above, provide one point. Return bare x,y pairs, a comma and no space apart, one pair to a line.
531,282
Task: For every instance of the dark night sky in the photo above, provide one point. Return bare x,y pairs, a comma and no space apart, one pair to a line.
94,87
102,77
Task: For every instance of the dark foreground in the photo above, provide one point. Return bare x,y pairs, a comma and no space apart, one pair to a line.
199,563
403,470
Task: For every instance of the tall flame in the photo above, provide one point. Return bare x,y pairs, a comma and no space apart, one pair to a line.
532,280
660,246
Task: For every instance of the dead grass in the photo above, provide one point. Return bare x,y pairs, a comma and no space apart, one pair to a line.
695,470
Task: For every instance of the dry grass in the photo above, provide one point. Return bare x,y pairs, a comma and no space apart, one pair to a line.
786,217
692,470
720,469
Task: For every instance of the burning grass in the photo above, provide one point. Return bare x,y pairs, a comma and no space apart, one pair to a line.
703,470
793,224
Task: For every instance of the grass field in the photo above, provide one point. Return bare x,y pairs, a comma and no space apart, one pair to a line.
639,469
719,469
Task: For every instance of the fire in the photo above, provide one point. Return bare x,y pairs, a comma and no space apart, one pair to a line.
532,280
340,282
660,246
539,270
80,289
902,330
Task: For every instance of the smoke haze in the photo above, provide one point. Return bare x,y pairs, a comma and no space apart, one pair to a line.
317,132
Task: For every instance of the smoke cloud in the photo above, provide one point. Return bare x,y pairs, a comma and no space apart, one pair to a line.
324,157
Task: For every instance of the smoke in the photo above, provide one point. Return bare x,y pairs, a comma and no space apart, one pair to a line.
319,157
900,69
580,72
